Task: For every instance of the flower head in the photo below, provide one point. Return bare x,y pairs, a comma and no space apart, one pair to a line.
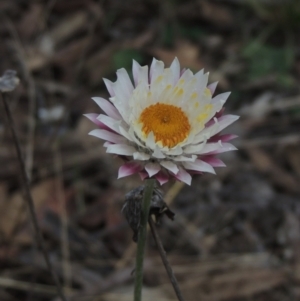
165,125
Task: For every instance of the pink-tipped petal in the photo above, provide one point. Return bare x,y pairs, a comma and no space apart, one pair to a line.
108,136
121,149
110,122
152,168
226,120
226,147
199,165
222,138
107,107
212,87
93,117
183,176
213,161
220,113
182,71
208,148
143,175
109,86
162,177
128,169
216,125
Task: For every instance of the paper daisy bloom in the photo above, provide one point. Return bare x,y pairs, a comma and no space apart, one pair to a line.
166,124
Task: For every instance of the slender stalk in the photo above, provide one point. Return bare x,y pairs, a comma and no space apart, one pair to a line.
28,198
142,237
165,261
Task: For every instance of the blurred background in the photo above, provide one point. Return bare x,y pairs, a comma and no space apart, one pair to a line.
236,235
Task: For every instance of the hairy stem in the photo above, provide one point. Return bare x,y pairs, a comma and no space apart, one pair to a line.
142,238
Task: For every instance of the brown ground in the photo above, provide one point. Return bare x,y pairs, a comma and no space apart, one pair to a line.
236,236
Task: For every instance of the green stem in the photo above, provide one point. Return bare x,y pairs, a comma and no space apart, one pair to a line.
142,237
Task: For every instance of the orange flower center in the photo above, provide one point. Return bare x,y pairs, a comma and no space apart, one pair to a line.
168,123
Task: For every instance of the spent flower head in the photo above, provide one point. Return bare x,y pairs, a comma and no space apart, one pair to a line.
166,124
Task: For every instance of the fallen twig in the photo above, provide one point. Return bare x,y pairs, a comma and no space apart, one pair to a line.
28,197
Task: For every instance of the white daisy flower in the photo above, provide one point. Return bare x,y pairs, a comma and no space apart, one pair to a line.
166,124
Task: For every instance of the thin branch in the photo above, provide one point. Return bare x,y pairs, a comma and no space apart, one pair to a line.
28,197
31,95
165,261
65,248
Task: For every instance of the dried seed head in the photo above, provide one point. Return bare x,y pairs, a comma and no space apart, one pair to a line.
133,207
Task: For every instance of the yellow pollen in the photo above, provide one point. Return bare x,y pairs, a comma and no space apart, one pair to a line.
207,92
180,92
168,123
159,78
194,95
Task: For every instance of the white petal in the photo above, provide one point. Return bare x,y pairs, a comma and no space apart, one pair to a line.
121,149
110,122
220,98
158,153
106,144
176,151
150,141
136,71
199,165
202,82
226,147
184,176
152,168
215,128
125,82
125,133
193,148
140,74
209,147
141,156
199,73
185,159
156,69
107,107
175,67
108,136
121,103
109,86
170,166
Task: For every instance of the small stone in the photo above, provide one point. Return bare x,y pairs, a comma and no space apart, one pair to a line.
9,81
